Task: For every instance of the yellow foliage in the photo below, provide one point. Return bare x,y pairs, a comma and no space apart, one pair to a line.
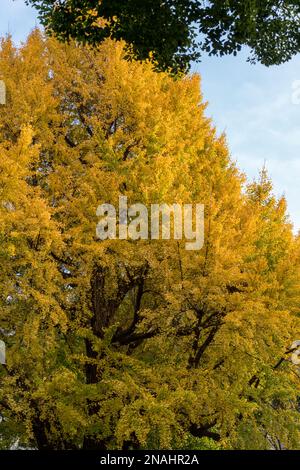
122,344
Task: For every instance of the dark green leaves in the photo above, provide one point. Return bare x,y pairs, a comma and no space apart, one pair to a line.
175,32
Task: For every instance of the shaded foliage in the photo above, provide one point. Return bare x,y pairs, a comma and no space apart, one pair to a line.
174,32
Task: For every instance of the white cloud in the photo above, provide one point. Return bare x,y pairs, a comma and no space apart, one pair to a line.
17,19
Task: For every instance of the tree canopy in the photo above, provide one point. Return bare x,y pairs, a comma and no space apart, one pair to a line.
122,344
174,32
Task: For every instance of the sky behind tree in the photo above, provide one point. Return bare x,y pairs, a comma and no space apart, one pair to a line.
252,104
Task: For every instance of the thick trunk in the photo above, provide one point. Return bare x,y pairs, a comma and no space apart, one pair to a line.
103,308
40,435
45,440
104,305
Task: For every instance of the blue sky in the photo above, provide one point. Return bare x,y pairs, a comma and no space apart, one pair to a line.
252,104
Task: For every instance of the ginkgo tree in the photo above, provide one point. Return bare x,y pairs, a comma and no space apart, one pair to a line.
122,344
